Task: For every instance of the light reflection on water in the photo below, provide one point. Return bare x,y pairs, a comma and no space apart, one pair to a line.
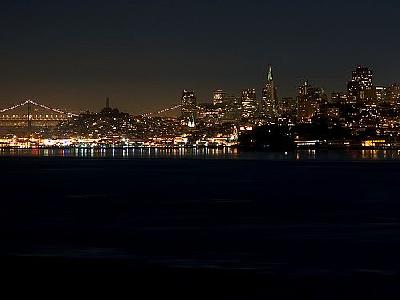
204,153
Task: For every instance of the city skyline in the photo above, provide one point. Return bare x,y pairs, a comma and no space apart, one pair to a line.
200,149
365,116
270,87
77,53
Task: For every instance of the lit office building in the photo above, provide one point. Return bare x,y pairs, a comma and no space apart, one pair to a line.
380,94
249,103
219,97
287,110
338,98
287,106
310,102
360,88
189,108
393,94
189,103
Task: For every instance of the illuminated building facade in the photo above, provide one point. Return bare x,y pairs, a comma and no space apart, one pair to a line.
188,104
392,95
338,98
249,103
287,110
360,88
380,92
287,105
310,101
219,97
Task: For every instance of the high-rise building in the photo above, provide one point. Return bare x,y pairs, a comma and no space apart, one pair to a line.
310,102
188,104
219,97
380,92
269,96
360,88
249,103
393,94
233,108
338,98
287,107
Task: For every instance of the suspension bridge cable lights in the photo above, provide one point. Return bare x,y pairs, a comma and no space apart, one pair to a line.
39,105
14,106
53,109
161,111
166,110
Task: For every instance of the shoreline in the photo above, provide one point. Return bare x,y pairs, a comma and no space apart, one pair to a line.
239,148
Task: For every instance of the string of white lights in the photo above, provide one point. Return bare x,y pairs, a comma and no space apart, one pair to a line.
162,111
52,109
14,106
75,115
39,105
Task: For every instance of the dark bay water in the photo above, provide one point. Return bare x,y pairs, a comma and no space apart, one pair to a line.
247,227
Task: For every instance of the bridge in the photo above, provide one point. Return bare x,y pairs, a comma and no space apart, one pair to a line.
160,112
168,109
31,113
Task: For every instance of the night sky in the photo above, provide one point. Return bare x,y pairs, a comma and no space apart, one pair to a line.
143,53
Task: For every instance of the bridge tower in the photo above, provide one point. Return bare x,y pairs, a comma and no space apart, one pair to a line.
29,117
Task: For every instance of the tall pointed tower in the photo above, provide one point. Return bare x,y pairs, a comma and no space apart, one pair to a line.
270,77
269,97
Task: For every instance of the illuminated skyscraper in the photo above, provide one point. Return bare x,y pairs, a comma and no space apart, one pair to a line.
189,107
287,110
269,97
338,98
360,88
380,94
392,94
249,103
189,103
219,97
310,100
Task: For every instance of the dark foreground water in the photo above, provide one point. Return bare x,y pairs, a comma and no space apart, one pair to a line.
198,228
